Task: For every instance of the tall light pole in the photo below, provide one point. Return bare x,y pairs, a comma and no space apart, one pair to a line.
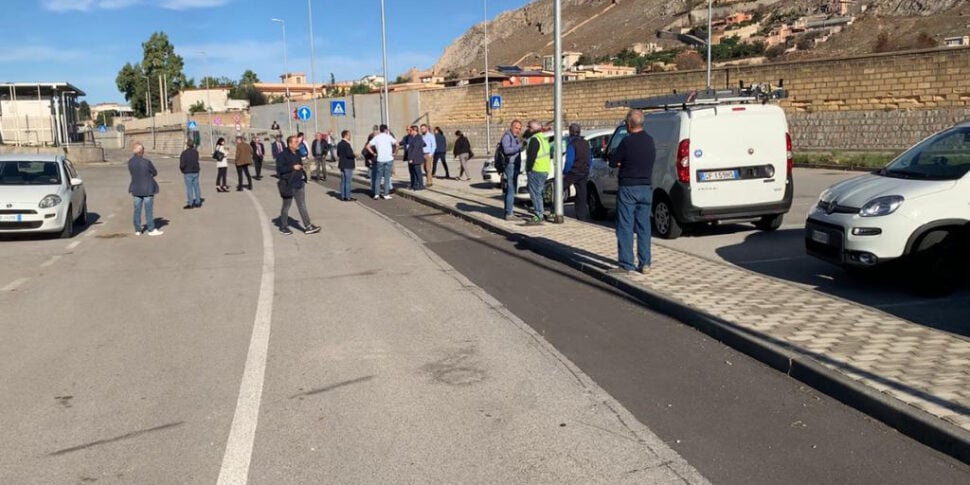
313,74
710,22
148,82
208,98
384,109
286,74
488,97
557,152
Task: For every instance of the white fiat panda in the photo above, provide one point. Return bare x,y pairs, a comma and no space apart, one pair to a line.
916,209
715,162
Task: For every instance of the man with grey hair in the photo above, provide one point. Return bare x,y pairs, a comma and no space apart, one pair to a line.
537,165
511,149
635,158
143,189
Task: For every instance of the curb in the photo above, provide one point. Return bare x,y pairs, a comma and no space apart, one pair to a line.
909,420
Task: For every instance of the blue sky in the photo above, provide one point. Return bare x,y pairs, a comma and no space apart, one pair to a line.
94,38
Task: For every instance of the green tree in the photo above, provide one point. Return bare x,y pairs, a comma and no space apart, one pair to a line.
359,88
216,82
84,111
248,78
137,80
104,118
197,107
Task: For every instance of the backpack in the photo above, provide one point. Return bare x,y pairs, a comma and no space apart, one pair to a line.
302,150
501,160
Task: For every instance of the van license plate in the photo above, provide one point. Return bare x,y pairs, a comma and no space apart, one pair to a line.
820,237
719,175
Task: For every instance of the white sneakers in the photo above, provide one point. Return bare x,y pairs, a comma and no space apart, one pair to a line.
386,197
377,197
155,232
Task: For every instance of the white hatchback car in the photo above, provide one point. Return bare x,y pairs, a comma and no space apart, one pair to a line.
917,208
40,194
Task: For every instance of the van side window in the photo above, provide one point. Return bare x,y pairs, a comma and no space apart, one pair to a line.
618,136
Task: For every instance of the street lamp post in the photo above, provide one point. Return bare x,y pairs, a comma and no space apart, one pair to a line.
384,109
710,10
557,152
488,97
208,99
313,75
286,74
148,82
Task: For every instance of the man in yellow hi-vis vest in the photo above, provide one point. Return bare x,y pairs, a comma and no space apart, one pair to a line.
537,166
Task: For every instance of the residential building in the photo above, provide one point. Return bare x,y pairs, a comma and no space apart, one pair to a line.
185,99
779,35
738,18
39,113
598,71
643,48
958,41
569,59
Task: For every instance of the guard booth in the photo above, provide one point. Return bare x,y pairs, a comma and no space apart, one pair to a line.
39,114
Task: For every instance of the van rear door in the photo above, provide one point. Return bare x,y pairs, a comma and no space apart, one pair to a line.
738,155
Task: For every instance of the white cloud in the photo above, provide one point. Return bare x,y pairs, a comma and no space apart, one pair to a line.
85,5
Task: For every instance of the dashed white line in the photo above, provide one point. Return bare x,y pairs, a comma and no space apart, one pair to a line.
52,260
73,245
14,284
242,434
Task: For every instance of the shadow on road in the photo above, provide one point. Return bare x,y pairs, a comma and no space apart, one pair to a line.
781,255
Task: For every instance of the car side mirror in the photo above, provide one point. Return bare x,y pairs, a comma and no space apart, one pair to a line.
76,182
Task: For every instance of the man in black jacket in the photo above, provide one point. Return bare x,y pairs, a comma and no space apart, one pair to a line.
189,166
259,154
289,168
320,148
143,188
346,158
576,169
635,158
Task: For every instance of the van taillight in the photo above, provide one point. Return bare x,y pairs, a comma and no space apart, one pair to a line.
683,161
788,153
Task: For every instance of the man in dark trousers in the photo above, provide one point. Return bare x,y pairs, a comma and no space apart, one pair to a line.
415,154
189,166
320,148
289,168
511,147
143,188
345,162
635,158
259,154
440,152
576,169
244,158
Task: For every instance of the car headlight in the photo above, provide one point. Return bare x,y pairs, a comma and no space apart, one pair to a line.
881,206
49,201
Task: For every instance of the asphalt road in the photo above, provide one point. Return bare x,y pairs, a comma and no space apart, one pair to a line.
731,417
781,254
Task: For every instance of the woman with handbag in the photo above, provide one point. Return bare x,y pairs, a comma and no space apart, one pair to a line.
221,155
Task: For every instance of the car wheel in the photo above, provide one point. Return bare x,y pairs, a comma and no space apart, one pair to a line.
665,223
769,223
68,231
596,209
82,219
935,264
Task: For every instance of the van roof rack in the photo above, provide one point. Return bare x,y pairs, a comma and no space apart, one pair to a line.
754,93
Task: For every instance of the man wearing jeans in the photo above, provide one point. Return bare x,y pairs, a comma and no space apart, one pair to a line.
289,168
383,146
635,158
143,189
511,147
189,166
537,164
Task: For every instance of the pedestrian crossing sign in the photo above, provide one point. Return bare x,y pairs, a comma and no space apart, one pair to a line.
338,108
495,102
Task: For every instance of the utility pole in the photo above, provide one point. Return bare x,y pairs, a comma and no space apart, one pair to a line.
148,82
313,74
488,94
557,153
286,75
385,110
208,99
710,10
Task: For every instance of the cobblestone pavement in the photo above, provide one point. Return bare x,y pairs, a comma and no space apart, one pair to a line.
927,369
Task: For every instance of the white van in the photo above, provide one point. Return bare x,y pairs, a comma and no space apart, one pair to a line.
714,162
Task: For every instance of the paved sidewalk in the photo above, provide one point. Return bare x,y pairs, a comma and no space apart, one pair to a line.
915,378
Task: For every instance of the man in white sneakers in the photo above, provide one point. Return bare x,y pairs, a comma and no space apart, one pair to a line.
143,189
383,145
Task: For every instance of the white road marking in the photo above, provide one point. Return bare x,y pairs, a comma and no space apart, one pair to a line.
73,245
239,448
14,284
52,260
91,233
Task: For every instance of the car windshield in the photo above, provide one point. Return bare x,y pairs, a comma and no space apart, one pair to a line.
29,173
944,156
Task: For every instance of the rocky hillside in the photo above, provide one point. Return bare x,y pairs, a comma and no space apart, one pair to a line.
605,27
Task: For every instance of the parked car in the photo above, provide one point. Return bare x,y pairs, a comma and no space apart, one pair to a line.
597,140
714,163
40,193
916,209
